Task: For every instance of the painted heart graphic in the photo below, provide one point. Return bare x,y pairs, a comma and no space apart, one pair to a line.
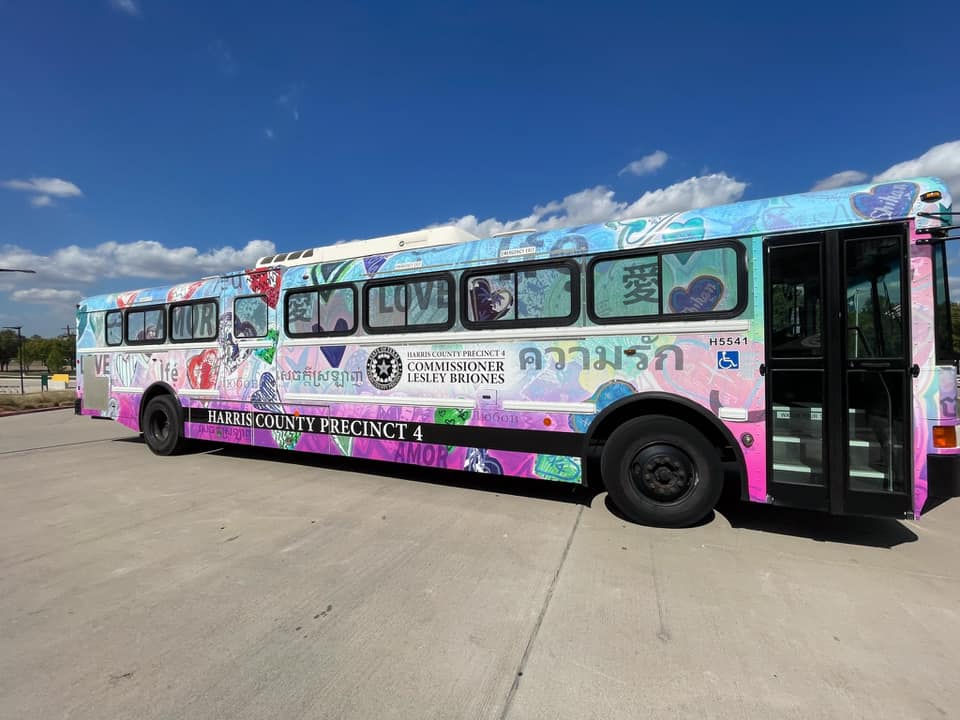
127,298
487,303
701,295
451,416
885,202
373,263
267,397
267,354
285,439
605,395
267,283
202,369
183,292
334,353
231,355
692,229
327,272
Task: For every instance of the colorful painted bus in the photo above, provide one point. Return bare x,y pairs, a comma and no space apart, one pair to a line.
798,344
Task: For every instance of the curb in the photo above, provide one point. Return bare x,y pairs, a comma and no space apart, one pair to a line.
34,410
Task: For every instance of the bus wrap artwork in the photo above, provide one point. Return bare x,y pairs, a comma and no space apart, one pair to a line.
499,355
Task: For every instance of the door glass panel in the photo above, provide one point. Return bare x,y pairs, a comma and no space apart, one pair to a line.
797,426
796,314
874,311
876,430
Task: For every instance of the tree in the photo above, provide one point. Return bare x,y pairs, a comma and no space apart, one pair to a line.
8,348
54,361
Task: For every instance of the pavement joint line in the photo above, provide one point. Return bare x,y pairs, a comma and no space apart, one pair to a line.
52,447
536,627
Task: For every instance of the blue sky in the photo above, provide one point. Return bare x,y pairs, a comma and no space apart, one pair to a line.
192,137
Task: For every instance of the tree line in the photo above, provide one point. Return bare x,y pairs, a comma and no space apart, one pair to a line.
56,354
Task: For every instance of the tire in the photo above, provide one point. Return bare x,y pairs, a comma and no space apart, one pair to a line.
161,427
660,471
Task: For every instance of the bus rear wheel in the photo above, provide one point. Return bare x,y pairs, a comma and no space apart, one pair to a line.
161,426
660,471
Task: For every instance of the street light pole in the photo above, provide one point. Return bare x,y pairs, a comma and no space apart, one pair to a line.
19,351
18,328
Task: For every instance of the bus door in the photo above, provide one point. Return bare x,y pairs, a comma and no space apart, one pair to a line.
838,371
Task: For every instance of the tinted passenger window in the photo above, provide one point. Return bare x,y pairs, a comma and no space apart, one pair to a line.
540,295
114,325
250,318
145,326
327,311
421,304
197,321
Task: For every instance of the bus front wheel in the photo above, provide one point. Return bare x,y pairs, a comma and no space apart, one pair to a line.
660,471
161,425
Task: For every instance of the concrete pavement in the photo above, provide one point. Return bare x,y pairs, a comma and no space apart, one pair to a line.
248,585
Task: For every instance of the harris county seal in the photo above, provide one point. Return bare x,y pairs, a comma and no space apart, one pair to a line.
384,368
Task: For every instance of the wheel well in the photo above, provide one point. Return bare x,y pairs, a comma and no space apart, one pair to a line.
153,391
662,404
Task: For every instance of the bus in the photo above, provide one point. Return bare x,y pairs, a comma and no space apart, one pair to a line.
799,346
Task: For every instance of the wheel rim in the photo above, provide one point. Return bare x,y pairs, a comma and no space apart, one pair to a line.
160,425
663,472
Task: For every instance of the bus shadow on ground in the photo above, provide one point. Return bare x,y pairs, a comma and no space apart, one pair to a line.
818,526
497,484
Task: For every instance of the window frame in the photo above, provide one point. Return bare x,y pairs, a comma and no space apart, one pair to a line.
145,309
404,281
191,303
518,267
316,288
247,297
106,328
742,288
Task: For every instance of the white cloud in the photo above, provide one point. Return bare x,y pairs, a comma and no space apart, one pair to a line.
647,164
74,265
129,7
943,161
45,186
46,295
269,133
840,179
598,204
41,201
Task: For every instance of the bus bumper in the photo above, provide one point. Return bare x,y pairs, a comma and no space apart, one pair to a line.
943,476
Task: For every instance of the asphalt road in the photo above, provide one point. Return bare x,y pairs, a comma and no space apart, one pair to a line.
237,584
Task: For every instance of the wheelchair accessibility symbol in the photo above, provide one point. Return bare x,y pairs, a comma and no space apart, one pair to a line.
728,360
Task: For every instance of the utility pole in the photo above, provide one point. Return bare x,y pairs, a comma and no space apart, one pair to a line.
18,328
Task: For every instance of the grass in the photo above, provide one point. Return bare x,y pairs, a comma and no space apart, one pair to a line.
32,401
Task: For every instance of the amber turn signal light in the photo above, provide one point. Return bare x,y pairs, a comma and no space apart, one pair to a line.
931,196
944,436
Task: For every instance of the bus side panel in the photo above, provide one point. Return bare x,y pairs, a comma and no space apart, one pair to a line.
935,388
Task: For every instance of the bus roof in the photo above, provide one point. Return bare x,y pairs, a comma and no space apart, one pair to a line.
887,201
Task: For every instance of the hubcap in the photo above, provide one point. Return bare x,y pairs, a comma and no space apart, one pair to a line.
662,472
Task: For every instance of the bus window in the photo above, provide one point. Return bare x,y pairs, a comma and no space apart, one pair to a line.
528,295
145,326
328,311
700,281
250,317
874,310
544,293
386,306
114,327
626,287
415,305
429,302
194,321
